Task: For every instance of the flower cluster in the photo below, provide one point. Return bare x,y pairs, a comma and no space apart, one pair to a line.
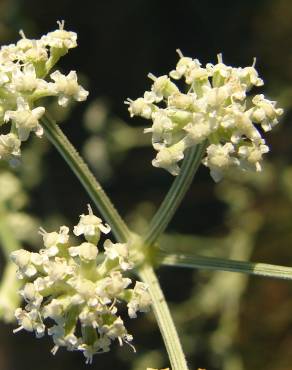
214,109
68,285
23,69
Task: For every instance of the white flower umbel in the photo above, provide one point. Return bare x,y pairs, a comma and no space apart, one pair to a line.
67,285
214,108
24,67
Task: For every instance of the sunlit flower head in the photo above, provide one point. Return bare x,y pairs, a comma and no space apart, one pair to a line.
214,108
69,286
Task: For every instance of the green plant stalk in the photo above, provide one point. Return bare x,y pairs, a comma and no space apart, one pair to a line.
164,319
175,194
220,264
81,170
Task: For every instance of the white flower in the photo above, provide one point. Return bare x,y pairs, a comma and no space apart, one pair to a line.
9,145
140,300
26,120
219,159
253,153
42,283
168,157
216,96
37,53
183,66
91,226
85,291
99,346
249,75
27,262
196,74
162,87
265,112
116,330
30,321
181,101
53,241
140,107
25,80
118,251
54,310
58,269
31,295
24,44
197,130
86,251
220,72
67,87
60,39
162,125
32,50
112,285
60,338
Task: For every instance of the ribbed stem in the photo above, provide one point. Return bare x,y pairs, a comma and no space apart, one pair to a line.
81,170
175,194
164,319
220,264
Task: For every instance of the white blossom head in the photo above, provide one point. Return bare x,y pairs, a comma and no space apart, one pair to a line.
67,286
24,67
214,109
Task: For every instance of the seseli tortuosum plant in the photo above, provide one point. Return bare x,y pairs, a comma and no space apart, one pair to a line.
214,121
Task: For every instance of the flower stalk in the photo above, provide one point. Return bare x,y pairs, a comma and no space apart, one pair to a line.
220,264
87,179
175,194
164,319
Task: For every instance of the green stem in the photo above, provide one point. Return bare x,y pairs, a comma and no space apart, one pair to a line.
175,194
219,264
164,319
81,170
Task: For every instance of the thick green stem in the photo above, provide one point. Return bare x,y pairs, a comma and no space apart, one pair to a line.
175,194
81,170
220,264
164,319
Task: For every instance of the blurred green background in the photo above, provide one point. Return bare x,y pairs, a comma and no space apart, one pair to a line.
226,321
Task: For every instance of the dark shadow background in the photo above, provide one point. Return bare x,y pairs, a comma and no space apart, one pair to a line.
120,42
